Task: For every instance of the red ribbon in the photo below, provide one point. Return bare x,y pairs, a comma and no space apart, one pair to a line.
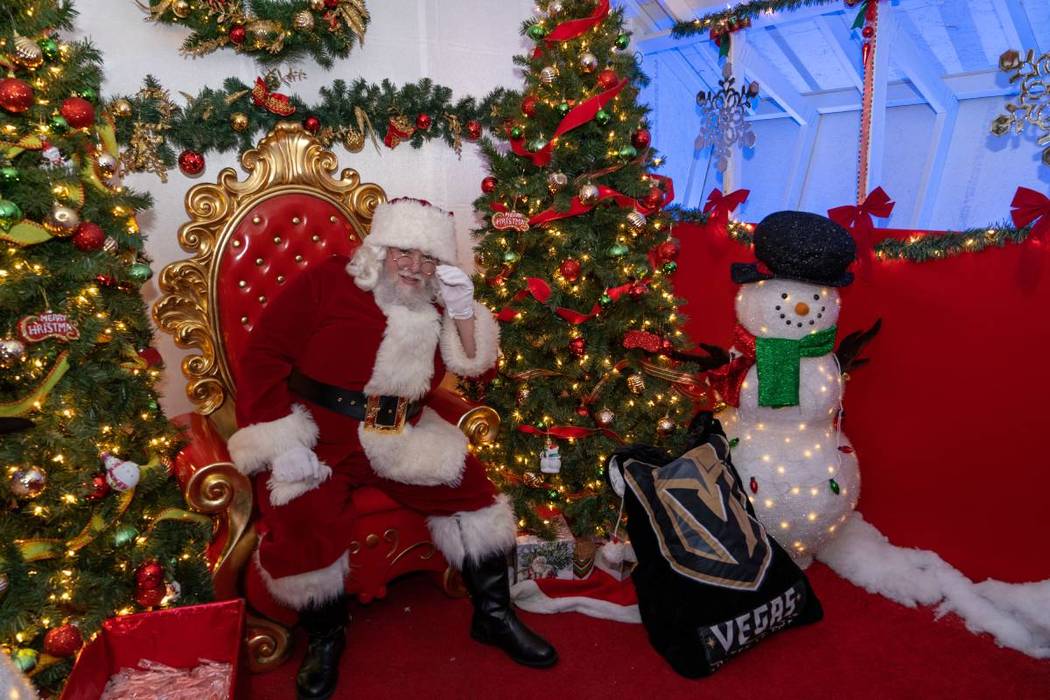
273,102
578,27
719,205
540,290
577,116
568,431
1031,207
728,379
576,207
857,218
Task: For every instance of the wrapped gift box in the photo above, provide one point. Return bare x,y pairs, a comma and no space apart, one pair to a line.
177,637
535,557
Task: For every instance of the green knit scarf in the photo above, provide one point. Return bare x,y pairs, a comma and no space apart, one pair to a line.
778,361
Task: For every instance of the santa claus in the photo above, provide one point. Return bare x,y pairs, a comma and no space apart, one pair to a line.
333,395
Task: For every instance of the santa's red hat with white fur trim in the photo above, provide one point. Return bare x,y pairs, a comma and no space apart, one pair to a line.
415,223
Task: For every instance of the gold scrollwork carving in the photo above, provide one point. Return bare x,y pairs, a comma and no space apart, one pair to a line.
288,159
480,425
268,643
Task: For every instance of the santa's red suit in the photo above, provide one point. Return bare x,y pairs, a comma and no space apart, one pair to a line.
329,327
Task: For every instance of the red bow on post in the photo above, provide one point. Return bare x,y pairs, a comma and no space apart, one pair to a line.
1031,207
856,218
719,205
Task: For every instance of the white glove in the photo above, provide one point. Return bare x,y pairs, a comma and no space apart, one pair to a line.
457,291
297,464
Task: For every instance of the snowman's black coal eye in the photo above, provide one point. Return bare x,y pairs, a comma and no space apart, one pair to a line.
816,297
784,295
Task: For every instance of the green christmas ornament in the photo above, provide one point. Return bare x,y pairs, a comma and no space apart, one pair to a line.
563,108
58,124
516,133
124,534
153,405
536,32
670,267
622,40
88,94
605,300
510,256
25,659
537,144
10,214
618,250
602,117
628,152
140,272
49,47
9,175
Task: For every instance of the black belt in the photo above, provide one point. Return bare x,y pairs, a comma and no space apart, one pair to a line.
378,412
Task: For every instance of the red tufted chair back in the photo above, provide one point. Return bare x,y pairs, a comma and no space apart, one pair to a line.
274,240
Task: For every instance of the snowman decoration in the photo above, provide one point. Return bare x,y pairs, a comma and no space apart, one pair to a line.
797,465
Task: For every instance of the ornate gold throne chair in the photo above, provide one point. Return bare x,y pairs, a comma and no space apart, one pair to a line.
249,238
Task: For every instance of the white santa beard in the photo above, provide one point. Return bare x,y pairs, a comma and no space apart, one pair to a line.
390,291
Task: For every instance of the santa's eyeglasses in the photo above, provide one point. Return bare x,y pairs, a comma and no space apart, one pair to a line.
406,259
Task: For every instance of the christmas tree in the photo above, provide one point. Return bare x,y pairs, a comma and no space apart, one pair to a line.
91,521
576,256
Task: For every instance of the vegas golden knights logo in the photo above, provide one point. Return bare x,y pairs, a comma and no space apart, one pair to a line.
698,513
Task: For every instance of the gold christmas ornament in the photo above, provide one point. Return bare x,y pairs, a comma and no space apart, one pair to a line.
181,9
588,62
636,383
665,426
62,221
556,182
588,195
28,482
121,108
604,417
317,5
555,9
27,53
239,121
303,21
106,165
548,75
354,141
110,245
636,221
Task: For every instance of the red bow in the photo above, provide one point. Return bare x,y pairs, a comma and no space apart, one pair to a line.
578,27
720,205
857,218
273,102
728,379
568,431
1031,207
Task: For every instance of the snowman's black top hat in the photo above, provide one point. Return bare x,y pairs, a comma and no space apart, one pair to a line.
801,246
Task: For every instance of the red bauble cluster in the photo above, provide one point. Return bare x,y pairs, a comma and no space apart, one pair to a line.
149,584
191,162
608,78
312,123
488,184
570,270
63,641
473,129
641,139
238,34
16,96
99,488
528,105
653,197
423,122
89,237
666,251
637,290
578,347
78,112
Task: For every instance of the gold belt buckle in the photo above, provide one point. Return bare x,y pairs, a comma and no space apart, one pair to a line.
372,409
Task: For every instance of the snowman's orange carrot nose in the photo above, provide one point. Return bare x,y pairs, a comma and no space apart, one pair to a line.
802,308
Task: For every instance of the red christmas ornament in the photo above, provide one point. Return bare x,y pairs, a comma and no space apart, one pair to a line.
667,251
607,78
89,237
16,96
78,112
528,105
637,290
331,4
582,411
149,575
666,346
868,32
578,346
238,34
191,162
473,129
423,122
99,488
641,139
570,269
654,197
150,597
312,123
488,184
63,641
105,280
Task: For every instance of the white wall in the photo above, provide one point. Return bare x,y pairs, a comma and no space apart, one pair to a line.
466,45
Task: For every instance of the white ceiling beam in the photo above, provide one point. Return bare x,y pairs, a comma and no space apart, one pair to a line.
1013,37
915,61
838,39
930,182
773,84
681,10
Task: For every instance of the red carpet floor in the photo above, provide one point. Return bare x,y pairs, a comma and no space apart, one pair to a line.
415,644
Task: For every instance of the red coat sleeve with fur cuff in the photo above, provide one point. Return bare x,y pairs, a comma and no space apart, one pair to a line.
270,421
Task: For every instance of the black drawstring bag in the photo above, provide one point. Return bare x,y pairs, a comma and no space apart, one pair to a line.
711,582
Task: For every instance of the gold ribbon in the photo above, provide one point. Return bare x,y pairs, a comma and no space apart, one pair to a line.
670,375
23,406
26,233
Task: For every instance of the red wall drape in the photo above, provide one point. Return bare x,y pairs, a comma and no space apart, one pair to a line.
951,418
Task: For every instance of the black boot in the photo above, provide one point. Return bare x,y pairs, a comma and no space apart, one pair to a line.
325,627
494,622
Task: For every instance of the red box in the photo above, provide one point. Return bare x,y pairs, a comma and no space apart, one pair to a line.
178,637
